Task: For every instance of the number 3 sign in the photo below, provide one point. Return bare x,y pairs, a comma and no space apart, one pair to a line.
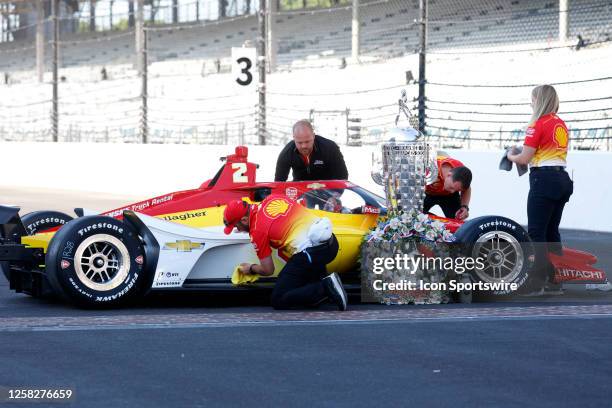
244,65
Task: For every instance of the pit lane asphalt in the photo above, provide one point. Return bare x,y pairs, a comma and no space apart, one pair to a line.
212,350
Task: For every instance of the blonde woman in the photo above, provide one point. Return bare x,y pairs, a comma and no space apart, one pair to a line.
545,150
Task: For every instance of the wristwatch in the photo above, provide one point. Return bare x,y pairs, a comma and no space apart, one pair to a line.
465,206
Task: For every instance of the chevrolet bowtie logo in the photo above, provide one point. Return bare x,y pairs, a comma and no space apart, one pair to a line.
184,245
315,186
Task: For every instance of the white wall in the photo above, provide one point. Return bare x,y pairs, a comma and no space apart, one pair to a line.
149,170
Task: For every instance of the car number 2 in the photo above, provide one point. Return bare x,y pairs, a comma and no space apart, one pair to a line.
240,170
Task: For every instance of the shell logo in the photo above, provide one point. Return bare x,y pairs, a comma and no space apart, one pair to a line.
276,208
561,136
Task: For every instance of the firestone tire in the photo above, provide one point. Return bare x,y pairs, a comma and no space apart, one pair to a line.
37,221
506,248
96,261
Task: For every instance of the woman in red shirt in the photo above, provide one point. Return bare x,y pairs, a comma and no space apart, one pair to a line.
545,150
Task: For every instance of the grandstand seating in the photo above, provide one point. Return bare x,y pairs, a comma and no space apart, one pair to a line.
181,55
387,30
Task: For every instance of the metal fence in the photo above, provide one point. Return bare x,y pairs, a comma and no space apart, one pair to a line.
189,72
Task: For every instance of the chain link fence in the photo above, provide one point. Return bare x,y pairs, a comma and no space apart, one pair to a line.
168,71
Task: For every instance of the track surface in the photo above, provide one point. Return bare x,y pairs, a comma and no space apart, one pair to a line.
213,350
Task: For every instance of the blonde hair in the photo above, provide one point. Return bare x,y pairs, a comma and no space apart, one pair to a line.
545,101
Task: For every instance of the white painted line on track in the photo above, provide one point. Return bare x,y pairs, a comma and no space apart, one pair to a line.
247,323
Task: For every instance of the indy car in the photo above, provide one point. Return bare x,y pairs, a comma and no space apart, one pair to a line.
176,241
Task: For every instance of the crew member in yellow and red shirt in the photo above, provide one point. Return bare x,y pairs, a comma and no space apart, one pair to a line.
304,240
550,187
451,191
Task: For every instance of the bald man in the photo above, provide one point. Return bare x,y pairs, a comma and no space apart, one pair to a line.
310,156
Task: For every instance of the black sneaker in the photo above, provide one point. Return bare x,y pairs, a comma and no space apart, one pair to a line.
553,289
335,290
534,293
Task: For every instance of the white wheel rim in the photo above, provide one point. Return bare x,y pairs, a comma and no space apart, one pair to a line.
102,262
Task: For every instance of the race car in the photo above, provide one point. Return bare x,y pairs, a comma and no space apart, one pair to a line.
176,241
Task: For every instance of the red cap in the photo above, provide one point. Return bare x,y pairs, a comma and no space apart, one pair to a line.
235,210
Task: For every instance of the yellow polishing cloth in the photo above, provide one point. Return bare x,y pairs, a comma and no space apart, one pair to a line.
239,278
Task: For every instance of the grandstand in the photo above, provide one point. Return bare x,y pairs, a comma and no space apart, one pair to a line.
469,43
387,31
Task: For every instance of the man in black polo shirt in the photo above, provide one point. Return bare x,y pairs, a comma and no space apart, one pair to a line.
310,156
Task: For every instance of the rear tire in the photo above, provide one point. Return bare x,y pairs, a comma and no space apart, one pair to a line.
506,248
96,261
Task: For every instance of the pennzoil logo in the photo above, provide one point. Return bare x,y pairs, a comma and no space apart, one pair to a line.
291,192
561,136
183,245
276,208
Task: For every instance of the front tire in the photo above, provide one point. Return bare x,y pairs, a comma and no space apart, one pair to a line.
96,261
38,221
506,249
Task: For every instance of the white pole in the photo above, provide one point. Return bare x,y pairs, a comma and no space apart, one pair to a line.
355,32
40,41
563,20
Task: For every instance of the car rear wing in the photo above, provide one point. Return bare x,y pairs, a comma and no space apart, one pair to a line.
19,263
11,231
11,227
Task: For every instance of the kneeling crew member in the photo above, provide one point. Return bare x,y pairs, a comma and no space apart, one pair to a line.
281,223
451,191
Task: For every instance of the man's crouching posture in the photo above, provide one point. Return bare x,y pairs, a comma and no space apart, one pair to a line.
305,241
451,191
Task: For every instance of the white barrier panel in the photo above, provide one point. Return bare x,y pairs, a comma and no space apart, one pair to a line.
150,170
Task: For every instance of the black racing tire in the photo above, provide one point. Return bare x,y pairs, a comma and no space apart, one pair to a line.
507,251
35,222
38,221
96,261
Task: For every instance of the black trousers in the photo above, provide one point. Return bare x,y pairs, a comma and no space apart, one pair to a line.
450,204
549,190
299,282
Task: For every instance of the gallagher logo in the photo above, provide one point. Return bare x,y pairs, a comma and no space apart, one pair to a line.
276,208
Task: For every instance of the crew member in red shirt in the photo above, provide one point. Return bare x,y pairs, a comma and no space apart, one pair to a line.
451,191
304,240
550,187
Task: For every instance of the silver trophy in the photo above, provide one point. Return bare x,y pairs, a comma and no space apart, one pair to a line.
406,165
